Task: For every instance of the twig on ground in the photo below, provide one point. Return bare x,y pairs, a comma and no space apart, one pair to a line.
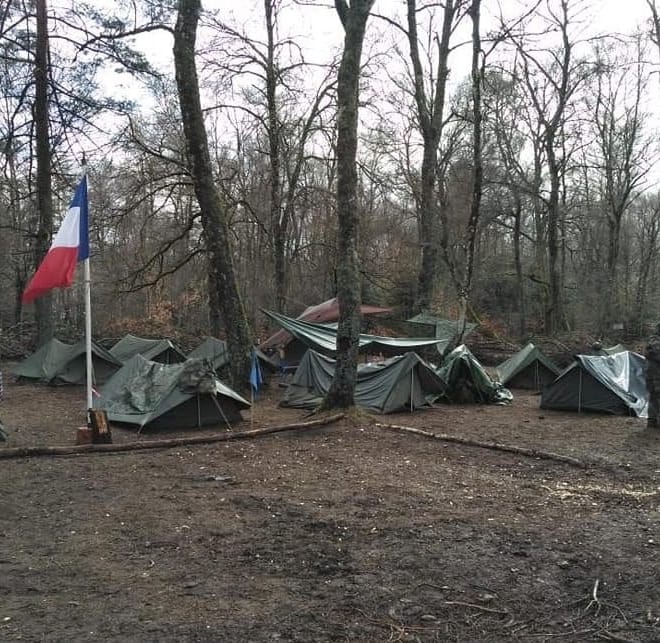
594,598
490,610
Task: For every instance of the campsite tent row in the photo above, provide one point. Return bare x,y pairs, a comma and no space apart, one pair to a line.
403,383
611,382
59,363
155,387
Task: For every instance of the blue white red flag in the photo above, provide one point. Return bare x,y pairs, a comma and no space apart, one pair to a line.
70,245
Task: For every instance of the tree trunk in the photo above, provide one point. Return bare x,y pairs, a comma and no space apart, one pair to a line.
44,304
278,220
213,216
517,258
354,19
478,171
431,125
554,317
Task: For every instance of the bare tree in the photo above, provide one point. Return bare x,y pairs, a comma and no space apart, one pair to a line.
622,154
431,120
552,78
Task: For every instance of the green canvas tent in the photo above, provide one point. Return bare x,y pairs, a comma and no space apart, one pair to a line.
213,350
323,338
158,396
404,383
443,329
59,363
614,384
467,381
155,350
529,368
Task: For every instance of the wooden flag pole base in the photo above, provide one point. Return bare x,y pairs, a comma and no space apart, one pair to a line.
97,421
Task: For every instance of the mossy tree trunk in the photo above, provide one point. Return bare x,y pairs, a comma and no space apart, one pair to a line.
213,214
354,20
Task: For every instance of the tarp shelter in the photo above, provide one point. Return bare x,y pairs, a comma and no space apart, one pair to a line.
213,350
324,313
529,368
59,363
156,350
467,381
158,396
613,384
444,329
323,338
404,383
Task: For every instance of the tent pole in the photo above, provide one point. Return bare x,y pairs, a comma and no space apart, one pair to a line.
580,392
199,413
224,417
412,387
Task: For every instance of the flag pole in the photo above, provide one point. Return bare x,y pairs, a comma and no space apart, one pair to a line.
87,277
88,334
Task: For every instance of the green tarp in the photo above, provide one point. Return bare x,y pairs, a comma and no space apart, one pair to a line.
59,363
323,338
467,381
156,350
529,368
613,384
404,383
155,395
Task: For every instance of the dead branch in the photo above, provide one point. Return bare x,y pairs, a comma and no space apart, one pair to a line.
490,610
27,452
532,453
610,636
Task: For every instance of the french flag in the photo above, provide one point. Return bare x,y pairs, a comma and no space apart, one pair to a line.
70,245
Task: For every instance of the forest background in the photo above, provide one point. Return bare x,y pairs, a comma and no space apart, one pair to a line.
568,228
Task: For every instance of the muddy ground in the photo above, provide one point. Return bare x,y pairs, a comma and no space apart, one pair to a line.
348,532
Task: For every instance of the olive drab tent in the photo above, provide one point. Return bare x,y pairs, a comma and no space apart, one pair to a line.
154,395
529,368
613,384
446,330
213,350
156,350
467,381
404,383
59,363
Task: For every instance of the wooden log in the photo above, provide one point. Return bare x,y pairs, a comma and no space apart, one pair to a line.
27,452
532,453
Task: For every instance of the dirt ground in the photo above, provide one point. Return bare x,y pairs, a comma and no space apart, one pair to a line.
349,532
